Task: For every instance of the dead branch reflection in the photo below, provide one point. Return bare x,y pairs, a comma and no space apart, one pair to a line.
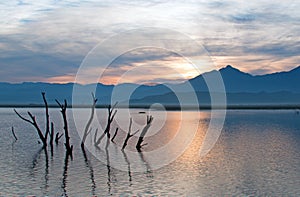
129,168
35,162
91,171
65,175
148,168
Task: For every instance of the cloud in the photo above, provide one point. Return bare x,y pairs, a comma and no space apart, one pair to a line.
279,50
147,65
43,40
243,18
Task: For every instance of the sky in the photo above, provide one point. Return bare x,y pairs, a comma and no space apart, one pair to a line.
47,40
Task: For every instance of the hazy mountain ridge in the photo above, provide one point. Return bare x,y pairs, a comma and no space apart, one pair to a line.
241,87
237,81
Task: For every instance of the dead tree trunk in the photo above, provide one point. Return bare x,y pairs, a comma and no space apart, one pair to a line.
34,123
111,115
52,134
51,138
129,135
87,131
143,134
47,115
63,111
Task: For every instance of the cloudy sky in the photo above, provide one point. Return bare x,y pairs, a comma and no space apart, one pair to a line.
47,40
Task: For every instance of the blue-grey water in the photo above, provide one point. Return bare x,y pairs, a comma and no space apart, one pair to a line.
257,154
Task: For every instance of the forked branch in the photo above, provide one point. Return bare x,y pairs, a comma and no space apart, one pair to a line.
111,115
116,132
34,123
143,133
57,137
129,135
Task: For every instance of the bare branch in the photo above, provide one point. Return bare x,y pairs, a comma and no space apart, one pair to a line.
69,148
135,132
66,105
57,137
58,103
95,137
128,135
89,131
34,123
116,132
144,144
149,119
86,130
94,98
144,132
25,119
111,114
32,117
13,132
114,106
47,116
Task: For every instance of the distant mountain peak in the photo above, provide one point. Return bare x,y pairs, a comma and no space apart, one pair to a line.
230,67
231,70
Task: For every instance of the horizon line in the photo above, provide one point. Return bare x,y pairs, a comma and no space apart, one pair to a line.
153,84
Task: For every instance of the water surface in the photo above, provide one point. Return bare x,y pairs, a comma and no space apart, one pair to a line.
257,154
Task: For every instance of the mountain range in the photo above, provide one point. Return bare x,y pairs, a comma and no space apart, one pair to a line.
281,88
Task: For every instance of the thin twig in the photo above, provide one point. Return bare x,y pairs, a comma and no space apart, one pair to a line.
13,132
116,132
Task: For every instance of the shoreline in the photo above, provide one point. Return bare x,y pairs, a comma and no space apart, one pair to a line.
173,107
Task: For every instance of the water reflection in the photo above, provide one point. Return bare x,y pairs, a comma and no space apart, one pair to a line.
36,158
257,154
109,182
65,175
144,161
91,171
35,170
46,170
129,168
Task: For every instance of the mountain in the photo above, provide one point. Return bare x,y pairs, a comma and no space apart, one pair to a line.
241,88
29,93
170,100
237,81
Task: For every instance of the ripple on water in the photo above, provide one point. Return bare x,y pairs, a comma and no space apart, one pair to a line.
257,154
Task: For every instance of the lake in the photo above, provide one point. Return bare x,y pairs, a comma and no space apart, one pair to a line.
257,154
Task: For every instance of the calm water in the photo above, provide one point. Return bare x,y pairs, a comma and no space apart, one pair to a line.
257,154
